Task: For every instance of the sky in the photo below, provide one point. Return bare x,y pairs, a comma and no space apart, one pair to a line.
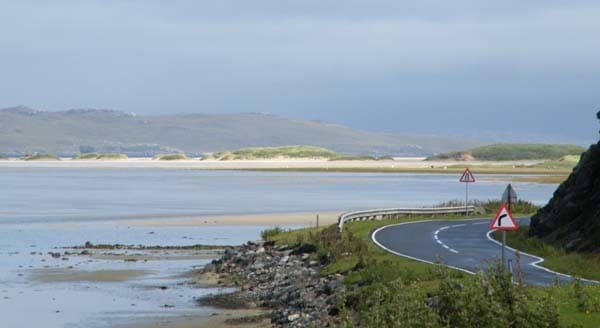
496,70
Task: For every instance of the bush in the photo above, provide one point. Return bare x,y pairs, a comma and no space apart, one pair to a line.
489,300
270,233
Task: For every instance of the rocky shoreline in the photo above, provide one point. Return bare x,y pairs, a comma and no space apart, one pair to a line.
283,280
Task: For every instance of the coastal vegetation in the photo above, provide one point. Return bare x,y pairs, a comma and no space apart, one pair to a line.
287,152
513,152
384,290
170,157
584,265
101,156
40,157
2,157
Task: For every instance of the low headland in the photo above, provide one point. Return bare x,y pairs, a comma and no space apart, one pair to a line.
289,152
511,152
170,157
101,156
40,157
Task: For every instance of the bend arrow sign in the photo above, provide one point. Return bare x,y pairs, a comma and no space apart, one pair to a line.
467,177
504,220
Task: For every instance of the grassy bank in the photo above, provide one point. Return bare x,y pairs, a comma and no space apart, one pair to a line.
288,152
557,259
512,152
103,156
40,157
170,157
384,290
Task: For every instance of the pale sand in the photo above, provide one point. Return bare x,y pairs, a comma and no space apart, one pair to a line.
399,163
72,275
272,219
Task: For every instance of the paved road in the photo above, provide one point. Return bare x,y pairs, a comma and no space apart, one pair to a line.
463,245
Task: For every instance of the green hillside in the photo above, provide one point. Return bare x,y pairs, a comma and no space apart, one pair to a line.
277,152
511,152
94,156
170,157
69,133
40,157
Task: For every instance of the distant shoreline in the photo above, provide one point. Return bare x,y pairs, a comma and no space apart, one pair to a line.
399,165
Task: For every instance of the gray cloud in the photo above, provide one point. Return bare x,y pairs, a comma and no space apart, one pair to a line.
392,65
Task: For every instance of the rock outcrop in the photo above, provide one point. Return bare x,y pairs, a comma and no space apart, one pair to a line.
572,217
286,280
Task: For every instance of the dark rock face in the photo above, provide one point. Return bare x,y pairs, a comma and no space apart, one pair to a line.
572,217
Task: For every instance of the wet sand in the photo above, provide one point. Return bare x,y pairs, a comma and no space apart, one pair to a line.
219,319
72,275
271,219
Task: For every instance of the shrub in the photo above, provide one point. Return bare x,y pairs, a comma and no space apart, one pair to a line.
270,233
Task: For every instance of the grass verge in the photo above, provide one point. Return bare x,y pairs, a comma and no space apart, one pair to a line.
576,264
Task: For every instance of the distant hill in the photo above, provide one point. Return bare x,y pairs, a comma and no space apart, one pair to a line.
511,152
24,130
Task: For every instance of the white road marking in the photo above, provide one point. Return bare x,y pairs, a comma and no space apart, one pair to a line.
476,223
374,239
437,239
538,260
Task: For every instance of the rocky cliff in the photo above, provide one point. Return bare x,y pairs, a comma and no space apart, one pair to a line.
572,217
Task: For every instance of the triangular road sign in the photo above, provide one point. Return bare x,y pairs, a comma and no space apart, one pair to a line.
504,220
467,176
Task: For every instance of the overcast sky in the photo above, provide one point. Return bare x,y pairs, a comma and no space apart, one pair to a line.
520,70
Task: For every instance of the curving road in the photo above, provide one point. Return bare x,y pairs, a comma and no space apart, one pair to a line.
464,245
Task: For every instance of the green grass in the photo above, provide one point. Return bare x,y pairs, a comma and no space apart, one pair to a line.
512,152
293,152
40,157
566,162
86,156
106,156
557,259
170,157
370,273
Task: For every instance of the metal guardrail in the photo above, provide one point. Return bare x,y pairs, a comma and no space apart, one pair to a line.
378,214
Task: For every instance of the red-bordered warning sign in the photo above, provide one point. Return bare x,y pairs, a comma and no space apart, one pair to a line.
504,220
467,177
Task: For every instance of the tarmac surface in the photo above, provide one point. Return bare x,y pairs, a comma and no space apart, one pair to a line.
464,245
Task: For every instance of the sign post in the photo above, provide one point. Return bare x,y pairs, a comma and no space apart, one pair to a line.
466,178
508,197
504,221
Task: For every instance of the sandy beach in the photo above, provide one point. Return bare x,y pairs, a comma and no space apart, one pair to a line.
400,163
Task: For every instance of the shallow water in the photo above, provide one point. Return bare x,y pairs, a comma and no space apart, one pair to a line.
44,208
47,194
